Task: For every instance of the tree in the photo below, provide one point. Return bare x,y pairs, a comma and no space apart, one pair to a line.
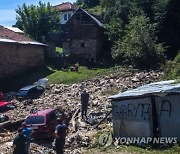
87,3
80,2
37,21
115,15
138,46
91,3
169,30
159,11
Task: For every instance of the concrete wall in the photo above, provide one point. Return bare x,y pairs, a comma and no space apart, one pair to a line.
133,117
16,58
169,112
70,13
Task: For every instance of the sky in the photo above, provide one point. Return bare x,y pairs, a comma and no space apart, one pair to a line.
7,9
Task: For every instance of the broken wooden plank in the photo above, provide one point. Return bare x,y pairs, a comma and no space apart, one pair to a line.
103,119
73,120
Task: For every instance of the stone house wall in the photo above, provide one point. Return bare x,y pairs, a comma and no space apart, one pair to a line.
17,57
87,48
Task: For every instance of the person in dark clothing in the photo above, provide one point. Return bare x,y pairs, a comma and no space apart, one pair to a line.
84,103
19,143
60,134
65,67
27,131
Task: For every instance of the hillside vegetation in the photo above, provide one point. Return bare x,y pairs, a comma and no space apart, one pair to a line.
144,34
172,69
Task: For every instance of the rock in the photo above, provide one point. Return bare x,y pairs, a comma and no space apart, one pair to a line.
91,121
135,79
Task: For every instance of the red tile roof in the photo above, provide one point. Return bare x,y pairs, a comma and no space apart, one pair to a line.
66,7
9,34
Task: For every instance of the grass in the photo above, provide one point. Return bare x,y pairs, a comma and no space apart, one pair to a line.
53,71
130,149
123,149
74,77
58,50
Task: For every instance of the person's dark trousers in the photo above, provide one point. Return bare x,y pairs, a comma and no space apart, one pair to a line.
59,146
84,111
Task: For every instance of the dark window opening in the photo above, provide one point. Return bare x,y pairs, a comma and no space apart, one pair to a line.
69,15
83,44
65,17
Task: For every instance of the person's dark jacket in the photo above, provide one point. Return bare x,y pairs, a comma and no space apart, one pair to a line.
20,144
84,98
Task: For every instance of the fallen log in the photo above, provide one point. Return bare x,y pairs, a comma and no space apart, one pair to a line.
11,123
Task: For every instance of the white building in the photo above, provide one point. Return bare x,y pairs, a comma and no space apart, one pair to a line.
67,10
148,111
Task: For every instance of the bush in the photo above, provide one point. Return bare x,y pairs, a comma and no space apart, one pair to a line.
172,69
139,47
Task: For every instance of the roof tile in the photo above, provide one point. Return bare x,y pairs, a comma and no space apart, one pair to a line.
66,6
9,34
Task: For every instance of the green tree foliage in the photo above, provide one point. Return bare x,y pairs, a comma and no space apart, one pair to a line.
172,69
116,12
80,2
37,21
134,41
91,3
138,46
159,9
87,3
169,30
115,15
122,8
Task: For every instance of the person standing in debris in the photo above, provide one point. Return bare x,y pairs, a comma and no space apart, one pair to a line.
60,134
27,132
19,143
84,103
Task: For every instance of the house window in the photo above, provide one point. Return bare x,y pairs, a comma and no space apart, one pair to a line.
83,44
65,17
69,15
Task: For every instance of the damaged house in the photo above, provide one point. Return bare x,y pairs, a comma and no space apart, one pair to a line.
18,53
84,37
148,111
